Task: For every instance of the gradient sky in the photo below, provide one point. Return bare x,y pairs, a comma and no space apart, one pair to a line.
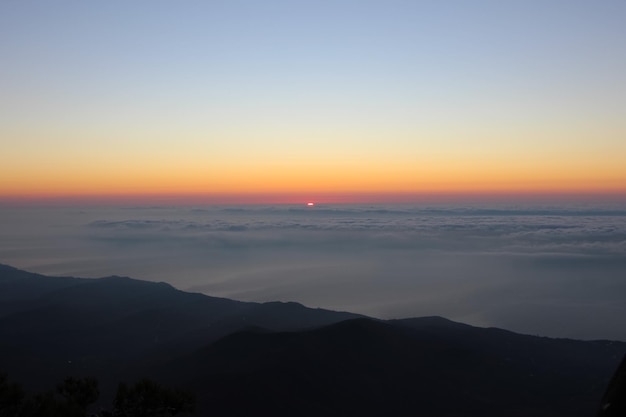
311,98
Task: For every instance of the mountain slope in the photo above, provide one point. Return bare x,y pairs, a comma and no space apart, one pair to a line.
51,327
284,359
367,367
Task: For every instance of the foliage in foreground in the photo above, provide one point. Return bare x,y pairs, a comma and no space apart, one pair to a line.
73,397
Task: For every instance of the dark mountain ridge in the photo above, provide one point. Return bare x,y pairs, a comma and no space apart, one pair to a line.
286,359
370,367
114,325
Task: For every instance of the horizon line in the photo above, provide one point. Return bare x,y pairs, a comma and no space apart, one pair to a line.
252,198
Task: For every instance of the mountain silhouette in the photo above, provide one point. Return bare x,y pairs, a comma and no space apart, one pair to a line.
51,327
284,359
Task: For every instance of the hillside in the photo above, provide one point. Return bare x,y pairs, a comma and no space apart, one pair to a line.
286,359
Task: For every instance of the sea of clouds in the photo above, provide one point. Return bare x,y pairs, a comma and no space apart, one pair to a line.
553,271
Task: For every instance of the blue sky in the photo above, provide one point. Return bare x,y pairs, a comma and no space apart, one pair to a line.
518,95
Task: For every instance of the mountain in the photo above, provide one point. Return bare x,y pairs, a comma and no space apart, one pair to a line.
116,326
284,359
367,367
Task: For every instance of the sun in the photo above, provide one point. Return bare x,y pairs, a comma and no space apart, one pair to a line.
310,204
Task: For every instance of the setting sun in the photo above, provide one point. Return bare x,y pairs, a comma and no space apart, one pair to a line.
305,184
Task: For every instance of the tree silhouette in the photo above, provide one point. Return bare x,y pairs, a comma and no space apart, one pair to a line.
71,399
82,392
149,399
11,397
74,395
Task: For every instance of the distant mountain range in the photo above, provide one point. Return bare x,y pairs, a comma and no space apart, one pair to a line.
284,359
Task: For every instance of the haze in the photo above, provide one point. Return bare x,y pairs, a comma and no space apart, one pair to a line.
548,271
181,142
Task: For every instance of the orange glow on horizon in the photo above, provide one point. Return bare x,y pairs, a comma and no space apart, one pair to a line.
381,197
359,179
324,181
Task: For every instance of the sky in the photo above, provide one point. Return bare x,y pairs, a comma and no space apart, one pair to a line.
289,101
180,142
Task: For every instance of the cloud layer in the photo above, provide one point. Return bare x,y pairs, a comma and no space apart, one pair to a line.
549,271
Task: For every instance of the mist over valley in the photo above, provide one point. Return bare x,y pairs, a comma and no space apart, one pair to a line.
549,270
